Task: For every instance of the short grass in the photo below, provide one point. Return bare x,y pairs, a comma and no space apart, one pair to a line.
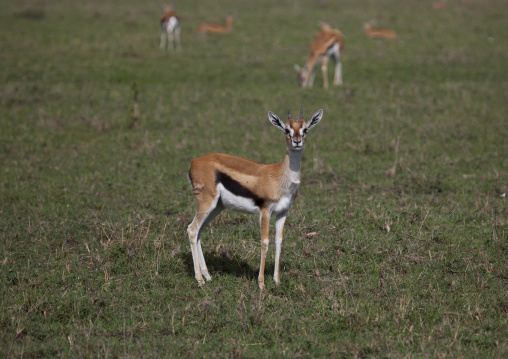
396,246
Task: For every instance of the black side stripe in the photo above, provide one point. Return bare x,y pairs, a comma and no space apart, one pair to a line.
237,189
329,47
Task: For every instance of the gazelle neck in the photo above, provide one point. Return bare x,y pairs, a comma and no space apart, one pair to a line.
292,161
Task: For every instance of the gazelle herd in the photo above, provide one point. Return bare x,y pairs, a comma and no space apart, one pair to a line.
328,44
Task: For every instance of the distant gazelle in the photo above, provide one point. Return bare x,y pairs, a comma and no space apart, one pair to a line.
378,33
328,43
206,27
170,29
221,181
439,4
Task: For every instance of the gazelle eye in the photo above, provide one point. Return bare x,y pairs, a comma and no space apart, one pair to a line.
305,130
287,131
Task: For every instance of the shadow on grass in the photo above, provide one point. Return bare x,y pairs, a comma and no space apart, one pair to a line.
223,263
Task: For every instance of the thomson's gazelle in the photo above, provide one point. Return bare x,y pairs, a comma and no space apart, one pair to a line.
170,29
378,33
221,181
207,27
328,43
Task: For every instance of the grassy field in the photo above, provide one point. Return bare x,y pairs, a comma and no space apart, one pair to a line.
397,245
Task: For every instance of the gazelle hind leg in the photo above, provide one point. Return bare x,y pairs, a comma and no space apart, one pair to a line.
171,40
201,259
338,73
324,70
193,231
204,214
202,264
163,40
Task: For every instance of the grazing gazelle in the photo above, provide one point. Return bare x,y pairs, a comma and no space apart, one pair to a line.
216,28
170,28
378,33
328,43
221,181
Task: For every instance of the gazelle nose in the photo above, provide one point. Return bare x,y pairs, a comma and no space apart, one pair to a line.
297,139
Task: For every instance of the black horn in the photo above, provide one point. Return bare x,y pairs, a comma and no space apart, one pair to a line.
301,112
289,114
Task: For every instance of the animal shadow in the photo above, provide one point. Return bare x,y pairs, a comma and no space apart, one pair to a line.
222,263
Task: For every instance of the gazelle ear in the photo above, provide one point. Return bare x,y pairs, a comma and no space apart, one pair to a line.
315,119
275,120
297,68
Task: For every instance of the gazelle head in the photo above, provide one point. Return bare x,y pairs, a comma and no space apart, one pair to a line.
296,131
367,24
303,75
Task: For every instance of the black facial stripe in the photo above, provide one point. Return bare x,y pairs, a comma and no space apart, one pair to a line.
237,189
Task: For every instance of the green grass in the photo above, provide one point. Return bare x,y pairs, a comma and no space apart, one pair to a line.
396,246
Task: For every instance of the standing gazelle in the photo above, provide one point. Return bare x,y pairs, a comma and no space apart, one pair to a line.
170,29
221,181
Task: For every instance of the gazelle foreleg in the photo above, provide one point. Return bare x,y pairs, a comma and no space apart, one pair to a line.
279,228
337,80
163,39
170,40
324,70
312,76
177,39
265,225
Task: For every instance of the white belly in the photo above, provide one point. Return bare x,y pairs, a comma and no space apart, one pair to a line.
247,205
333,50
237,203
